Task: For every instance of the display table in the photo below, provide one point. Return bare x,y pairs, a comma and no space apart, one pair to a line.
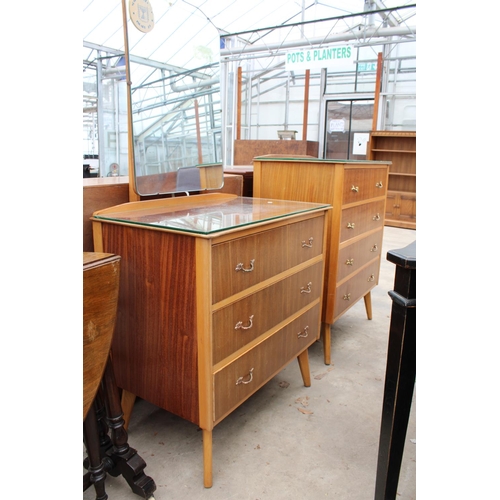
218,294
357,192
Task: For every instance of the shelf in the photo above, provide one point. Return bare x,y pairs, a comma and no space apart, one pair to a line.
404,151
393,133
400,149
400,191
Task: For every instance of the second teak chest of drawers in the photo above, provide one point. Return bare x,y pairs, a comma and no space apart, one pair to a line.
357,191
218,293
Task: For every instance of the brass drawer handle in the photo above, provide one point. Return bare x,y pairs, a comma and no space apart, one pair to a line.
306,290
350,225
242,380
355,189
379,185
347,296
376,217
304,333
374,248
349,262
371,277
306,245
239,325
240,267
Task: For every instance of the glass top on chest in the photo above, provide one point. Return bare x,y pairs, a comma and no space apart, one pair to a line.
205,214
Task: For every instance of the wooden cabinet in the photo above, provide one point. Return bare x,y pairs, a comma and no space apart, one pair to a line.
357,192
400,148
217,294
245,150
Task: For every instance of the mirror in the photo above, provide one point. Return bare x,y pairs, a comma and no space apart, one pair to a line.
174,115
184,179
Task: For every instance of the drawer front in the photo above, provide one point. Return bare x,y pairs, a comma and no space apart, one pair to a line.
305,240
241,322
356,255
238,324
304,288
237,381
352,290
364,183
302,332
357,220
244,262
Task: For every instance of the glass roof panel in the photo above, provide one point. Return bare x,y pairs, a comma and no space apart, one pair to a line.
180,25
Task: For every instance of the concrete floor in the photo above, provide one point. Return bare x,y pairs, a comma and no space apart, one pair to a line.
268,448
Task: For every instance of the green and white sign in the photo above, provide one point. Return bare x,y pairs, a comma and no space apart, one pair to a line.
340,58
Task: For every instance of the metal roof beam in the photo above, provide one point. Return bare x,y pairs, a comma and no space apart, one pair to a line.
343,37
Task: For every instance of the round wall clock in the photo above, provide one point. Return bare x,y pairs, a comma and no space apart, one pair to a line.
141,15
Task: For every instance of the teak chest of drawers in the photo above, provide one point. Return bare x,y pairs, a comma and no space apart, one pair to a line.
357,192
218,293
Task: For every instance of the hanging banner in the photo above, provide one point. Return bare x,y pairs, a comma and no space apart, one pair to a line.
341,58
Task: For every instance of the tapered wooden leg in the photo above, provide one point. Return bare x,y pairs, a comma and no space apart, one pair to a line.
207,458
303,359
327,342
128,400
368,305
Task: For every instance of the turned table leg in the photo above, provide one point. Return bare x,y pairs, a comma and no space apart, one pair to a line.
368,305
102,427
327,342
207,458
97,472
303,359
126,460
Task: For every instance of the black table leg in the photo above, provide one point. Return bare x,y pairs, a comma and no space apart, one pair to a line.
400,373
97,473
125,460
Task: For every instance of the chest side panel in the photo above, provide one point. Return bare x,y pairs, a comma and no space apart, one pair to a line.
155,347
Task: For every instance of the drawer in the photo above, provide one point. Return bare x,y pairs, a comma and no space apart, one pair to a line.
364,183
355,256
303,288
239,323
349,292
305,240
244,262
240,379
360,219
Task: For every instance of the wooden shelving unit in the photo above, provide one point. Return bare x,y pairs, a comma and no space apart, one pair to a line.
400,149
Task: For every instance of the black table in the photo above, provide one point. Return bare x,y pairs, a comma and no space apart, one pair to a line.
400,372
106,441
